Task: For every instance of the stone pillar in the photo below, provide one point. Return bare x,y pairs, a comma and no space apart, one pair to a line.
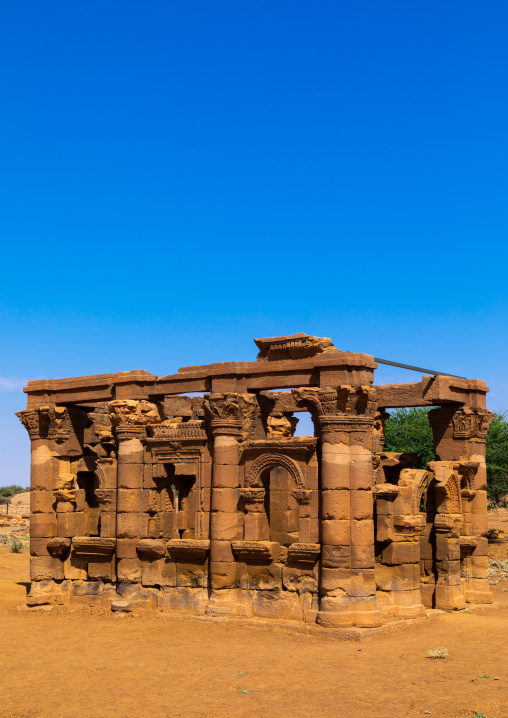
405,559
255,527
129,419
226,414
460,433
303,497
49,430
343,417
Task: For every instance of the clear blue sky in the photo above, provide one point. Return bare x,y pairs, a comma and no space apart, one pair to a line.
180,177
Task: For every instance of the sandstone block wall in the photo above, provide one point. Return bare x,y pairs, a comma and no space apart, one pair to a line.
144,497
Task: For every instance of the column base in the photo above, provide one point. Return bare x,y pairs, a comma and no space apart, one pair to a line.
226,603
335,613
365,612
450,597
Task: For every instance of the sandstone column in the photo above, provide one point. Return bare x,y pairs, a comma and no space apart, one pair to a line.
226,414
343,417
460,434
49,430
130,418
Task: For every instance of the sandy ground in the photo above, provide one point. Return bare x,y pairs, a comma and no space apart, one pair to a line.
97,665
86,664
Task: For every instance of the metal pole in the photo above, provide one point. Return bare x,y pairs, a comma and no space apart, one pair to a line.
417,368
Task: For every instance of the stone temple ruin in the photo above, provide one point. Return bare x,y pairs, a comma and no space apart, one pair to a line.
191,493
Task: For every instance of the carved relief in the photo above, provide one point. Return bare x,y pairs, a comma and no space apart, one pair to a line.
66,488
231,413
471,423
174,429
270,461
447,486
281,425
104,492
46,422
416,481
349,406
133,413
295,346
378,430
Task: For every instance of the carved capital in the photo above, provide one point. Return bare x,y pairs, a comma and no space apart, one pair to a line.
472,423
468,471
132,412
343,408
339,409
30,420
449,524
124,432
253,496
302,496
230,413
46,422
253,499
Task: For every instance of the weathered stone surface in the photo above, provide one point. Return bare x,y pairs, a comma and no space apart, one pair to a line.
143,497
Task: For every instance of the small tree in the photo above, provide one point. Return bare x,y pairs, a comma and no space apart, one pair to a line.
497,460
7,492
409,430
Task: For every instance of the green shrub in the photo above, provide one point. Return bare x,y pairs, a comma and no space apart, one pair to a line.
497,460
16,545
409,430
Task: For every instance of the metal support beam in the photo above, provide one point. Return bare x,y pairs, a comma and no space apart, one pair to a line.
417,368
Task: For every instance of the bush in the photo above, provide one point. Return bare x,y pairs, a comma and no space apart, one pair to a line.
16,545
497,460
8,491
409,430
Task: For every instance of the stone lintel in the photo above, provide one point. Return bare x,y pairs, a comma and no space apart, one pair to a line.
433,391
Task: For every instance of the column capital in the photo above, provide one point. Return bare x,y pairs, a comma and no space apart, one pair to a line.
344,408
229,414
46,422
472,423
130,417
252,499
124,432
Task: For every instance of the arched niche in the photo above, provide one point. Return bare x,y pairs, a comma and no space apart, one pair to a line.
267,462
281,479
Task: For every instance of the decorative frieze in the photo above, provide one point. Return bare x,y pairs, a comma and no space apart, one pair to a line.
177,432
93,545
188,548
304,552
253,550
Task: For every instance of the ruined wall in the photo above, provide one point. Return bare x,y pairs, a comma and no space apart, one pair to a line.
145,497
